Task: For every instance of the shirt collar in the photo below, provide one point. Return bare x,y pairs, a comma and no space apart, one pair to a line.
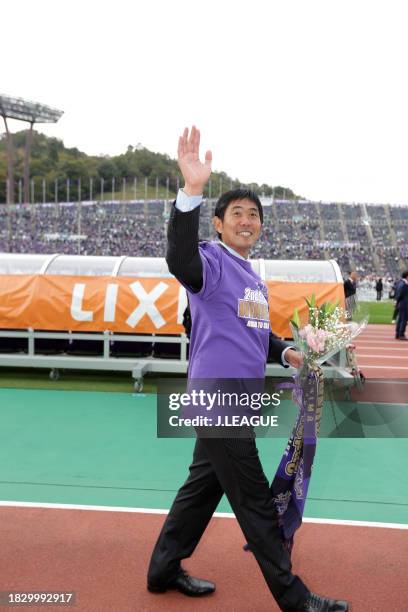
232,251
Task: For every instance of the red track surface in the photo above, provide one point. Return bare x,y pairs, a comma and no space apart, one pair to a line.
380,355
103,556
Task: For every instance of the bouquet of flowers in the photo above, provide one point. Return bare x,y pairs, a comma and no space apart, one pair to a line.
328,329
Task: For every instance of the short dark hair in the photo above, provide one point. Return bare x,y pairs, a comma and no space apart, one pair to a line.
404,274
236,194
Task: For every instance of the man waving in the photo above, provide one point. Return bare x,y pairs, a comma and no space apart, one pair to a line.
230,339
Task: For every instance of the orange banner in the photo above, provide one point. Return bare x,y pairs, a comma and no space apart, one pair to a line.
127,305
284,297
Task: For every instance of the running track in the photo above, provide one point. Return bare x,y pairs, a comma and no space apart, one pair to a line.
380,355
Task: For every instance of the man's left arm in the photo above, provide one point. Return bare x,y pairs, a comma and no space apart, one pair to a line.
283,353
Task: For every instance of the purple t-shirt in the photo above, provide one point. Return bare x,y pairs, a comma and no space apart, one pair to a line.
230,315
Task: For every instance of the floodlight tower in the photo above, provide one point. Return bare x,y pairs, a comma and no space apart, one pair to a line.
32,112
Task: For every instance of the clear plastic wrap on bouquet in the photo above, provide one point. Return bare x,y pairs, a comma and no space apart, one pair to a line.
326,329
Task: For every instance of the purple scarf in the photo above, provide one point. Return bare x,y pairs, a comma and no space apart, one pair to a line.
291,482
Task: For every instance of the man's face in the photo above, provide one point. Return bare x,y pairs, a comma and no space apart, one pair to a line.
241,226
354,276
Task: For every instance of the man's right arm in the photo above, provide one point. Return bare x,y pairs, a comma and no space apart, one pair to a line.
183,257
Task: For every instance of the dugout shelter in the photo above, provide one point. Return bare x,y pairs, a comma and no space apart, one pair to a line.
126,313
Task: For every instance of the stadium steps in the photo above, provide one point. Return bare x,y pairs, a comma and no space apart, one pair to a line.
274,213
321,229
369,231
345,232
393,235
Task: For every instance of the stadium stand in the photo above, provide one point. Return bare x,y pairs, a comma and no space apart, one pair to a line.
371,238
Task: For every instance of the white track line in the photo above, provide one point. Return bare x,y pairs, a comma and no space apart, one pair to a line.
377,329
392,340
378,332
405,405
397,344
319,521
377,339
382,346
389,334
376,356
366,348
388,337
381,381
381,367
386,334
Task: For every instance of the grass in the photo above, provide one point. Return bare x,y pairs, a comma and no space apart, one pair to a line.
379,312
129,193
72,380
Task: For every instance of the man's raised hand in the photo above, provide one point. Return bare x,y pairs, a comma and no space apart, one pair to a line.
195,173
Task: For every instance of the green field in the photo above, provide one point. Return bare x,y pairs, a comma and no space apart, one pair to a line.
72,380
130,194
379,312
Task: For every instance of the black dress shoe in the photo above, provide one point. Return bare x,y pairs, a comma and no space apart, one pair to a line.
194,587
317,603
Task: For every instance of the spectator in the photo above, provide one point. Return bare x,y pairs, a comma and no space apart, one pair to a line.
379,289
292,230
350,284
393,294
402,304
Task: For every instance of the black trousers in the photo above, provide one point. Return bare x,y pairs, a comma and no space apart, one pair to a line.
402,321
230,466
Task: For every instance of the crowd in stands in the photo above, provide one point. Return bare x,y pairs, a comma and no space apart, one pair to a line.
372,239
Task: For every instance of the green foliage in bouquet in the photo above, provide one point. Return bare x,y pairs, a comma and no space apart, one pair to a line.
327,329
318,315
